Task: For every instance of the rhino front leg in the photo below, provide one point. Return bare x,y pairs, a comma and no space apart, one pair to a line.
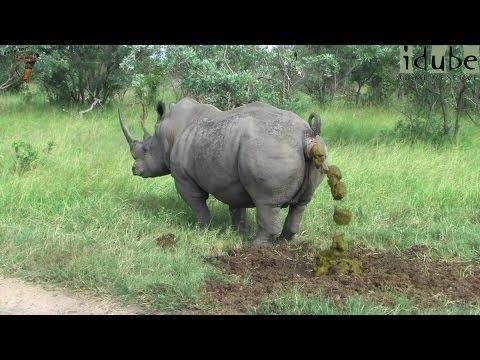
196,198
293,221
268,225
239,220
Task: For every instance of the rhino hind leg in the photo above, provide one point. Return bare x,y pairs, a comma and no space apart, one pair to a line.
292,222
239,220
196,198
268,225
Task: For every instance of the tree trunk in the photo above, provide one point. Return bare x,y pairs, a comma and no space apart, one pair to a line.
459,109
357,96
443,103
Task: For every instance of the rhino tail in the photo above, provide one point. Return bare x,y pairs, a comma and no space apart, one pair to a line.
313,150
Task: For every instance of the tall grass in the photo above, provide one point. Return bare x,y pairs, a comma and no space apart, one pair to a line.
78,218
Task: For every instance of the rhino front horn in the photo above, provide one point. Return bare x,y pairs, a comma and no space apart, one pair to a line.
125,130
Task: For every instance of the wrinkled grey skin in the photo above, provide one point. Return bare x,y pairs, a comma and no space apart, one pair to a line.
251,156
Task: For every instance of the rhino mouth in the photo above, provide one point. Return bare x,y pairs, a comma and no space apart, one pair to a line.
137,169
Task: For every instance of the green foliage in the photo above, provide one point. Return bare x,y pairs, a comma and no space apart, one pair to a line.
146,71
320,71
29,92
417,128
229,76
334,71
26,155
78,73
206,76
10,67
49,147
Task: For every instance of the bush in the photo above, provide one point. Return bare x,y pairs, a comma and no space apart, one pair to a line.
26,155
415,128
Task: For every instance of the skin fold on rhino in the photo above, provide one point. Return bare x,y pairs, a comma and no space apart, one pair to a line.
252,156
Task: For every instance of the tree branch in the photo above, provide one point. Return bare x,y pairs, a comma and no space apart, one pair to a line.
471,119
95,102
10,81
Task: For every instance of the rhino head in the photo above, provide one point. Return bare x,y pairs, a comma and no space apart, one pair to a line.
149,154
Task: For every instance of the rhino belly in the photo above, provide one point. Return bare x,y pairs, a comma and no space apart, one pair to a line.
233,195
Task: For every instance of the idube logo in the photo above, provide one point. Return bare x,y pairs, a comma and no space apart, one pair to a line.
441,59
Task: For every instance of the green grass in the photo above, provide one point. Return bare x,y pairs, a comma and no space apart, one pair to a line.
78,218
295,303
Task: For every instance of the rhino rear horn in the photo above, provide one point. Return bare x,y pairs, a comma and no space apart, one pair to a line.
146,134
317,125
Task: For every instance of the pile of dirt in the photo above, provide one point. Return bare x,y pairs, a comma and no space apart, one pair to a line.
270,271
166,241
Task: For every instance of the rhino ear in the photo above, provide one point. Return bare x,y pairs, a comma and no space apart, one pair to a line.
160,108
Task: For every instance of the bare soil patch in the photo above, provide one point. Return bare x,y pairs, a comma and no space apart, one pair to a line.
20,298
257,273
167,241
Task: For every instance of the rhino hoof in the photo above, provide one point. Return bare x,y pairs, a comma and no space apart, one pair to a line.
261,243
243,229
287,236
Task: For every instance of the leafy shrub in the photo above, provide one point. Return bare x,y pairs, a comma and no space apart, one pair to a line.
26,155
418,128
49,147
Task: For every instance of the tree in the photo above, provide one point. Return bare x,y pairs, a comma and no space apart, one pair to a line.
372,65
9,66
81,73
349,69
208,74
144,67
228,76
321,68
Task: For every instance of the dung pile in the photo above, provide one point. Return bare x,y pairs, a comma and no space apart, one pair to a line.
319,155
333,261
337,187
342,216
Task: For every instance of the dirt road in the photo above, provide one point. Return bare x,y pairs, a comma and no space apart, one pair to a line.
20,298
